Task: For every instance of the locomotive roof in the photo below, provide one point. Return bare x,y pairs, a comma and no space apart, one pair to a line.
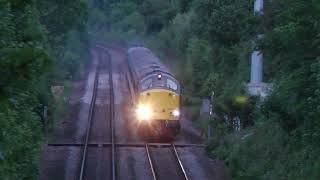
144,62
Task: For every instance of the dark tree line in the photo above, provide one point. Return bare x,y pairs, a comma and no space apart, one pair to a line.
40,46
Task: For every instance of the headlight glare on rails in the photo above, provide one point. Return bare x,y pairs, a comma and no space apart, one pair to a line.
144,112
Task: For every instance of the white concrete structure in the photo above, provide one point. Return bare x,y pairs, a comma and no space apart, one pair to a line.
256,86
258,6
256,67
257,56
259,89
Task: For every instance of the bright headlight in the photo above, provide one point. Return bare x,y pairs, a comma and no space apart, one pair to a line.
176,113
144,112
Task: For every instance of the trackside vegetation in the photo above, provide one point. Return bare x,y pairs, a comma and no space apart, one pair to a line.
208,43
42,44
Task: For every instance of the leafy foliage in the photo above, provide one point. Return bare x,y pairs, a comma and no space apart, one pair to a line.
224,22
289,116
35,42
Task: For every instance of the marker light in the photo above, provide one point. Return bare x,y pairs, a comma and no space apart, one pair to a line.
176,113
144,112
159,76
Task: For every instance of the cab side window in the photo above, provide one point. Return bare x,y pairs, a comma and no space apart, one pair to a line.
172,85
146,84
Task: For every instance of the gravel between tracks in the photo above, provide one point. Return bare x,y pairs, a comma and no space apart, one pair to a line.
133,164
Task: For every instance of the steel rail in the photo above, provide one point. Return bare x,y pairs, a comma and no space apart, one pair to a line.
91,110
112,111
180,162
150,162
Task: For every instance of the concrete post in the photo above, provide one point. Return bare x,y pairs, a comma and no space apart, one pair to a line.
45,120
205,107
1,155
209,131
257,56
258,6
256,67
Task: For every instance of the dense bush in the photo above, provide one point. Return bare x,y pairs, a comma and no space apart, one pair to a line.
285,135
37,50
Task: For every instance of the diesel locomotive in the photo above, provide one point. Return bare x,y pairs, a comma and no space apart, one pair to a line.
156,91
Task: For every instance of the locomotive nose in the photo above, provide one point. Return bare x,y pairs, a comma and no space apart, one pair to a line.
164,104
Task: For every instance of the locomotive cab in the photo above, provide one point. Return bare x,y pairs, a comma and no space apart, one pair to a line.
158,105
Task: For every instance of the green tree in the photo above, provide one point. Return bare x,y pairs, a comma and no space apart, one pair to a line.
33,34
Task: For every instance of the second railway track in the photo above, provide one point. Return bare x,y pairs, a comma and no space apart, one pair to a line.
109,114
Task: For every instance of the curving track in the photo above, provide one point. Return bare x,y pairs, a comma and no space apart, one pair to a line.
109,150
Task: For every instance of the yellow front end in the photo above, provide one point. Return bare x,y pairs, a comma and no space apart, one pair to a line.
158,104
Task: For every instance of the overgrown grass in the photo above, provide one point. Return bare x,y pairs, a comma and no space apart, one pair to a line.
59,106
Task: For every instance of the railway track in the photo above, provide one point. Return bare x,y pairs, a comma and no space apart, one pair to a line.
153,168
111,118
162,159
112,113
88,130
